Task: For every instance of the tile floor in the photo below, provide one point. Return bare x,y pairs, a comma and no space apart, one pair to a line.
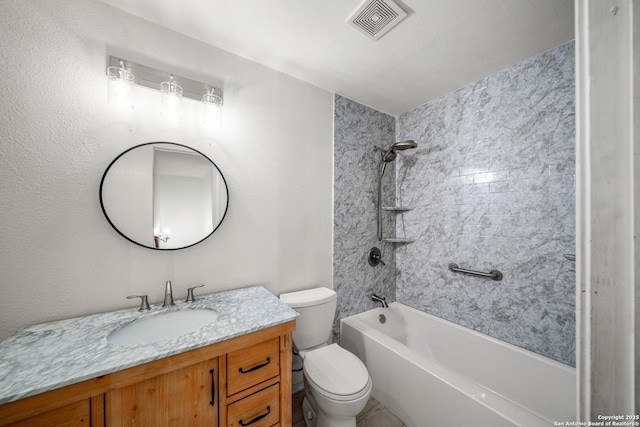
375,414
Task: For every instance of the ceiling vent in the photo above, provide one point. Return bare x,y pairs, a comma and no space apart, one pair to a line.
375,18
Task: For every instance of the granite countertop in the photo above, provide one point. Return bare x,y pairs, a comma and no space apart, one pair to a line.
44,357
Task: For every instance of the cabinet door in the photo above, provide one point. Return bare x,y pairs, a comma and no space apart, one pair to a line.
187,397
73,415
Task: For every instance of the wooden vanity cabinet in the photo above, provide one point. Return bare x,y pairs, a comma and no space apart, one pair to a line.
243,381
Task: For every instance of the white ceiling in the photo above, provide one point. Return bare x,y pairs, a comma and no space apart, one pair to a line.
441,46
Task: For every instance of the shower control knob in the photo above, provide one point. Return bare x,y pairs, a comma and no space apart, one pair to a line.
375,257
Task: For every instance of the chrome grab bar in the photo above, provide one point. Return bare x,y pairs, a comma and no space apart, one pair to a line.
493,274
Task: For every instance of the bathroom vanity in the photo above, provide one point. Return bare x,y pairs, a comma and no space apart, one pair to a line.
234,372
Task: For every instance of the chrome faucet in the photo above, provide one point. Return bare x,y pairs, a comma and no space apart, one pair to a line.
380,299
168,295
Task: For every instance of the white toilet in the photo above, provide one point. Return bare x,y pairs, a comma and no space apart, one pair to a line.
337,384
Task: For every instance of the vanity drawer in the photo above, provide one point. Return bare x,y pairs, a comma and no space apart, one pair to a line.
261,409
252,365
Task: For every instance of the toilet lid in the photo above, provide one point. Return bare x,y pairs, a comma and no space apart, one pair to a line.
336,370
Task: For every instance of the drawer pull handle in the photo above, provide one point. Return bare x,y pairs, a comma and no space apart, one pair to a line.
213,390
256,419
242,371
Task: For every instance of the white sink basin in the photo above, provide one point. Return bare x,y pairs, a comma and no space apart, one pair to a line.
163,327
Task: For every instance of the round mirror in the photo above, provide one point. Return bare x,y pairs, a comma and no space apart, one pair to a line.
163,195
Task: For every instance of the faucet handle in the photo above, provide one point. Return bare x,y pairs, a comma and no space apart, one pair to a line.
375,257
190,297
144,302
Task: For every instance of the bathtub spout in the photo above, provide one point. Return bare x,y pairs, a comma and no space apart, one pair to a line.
381,300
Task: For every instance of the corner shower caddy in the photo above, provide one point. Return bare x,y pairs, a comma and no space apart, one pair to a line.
398,210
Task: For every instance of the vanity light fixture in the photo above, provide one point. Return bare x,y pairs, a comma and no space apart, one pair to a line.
120,84
171,96
173,88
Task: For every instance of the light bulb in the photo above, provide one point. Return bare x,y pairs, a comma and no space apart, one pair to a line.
212,108
120,86
171,98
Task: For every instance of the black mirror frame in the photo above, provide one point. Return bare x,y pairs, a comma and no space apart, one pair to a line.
104,175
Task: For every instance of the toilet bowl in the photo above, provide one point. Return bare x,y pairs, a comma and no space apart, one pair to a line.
338,387
336,383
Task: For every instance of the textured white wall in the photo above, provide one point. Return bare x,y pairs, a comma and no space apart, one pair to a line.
58,255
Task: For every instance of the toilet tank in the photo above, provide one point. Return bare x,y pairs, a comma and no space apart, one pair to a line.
317,309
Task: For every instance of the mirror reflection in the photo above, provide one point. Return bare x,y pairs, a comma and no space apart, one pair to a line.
164,195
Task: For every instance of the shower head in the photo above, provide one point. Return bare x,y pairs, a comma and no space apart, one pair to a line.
404,145
389,154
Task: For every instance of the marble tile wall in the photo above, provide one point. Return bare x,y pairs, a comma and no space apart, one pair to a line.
357,130
493,186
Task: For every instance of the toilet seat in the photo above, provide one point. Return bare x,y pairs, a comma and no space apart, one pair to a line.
336,373
337,397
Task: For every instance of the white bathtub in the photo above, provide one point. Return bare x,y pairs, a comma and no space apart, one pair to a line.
434,373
